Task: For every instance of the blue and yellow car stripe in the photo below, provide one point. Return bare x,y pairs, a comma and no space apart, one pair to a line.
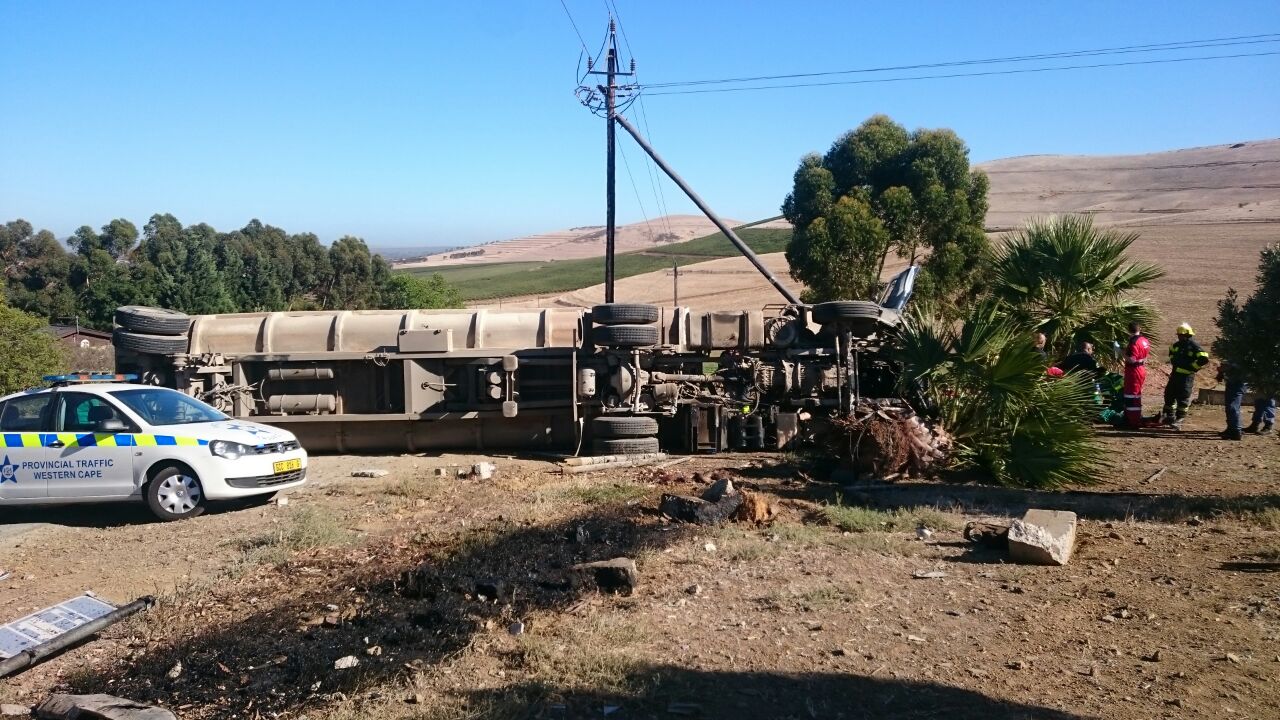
35,440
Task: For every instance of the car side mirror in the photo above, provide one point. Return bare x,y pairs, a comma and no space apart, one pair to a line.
111,425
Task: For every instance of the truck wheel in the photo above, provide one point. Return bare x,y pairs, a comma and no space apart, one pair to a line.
845,310
175,494
153,321
621,426
625,336
625,446
624,314
150,344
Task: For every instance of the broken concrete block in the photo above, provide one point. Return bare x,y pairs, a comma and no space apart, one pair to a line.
1043,537
616,575
11,710
369,473
98,707
484,470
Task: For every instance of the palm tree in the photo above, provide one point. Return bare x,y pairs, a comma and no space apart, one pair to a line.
1073,281
988,388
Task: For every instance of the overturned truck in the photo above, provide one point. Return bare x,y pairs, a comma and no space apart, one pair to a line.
617,378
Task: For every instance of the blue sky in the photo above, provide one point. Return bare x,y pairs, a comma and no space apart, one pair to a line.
435,123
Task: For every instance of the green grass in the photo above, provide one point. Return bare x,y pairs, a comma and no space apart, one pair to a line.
602,494
863,520
513,279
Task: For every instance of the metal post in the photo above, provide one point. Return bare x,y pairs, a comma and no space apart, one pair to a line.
675,283
733,238
610,90
33,655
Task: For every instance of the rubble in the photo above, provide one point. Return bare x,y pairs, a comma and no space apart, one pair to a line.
346,663
617,575
484,470
1043,537
719,503
11,710
369,473
98,707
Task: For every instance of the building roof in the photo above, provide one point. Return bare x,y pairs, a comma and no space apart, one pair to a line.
62,332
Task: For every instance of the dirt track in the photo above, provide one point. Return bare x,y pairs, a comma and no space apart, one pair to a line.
794,619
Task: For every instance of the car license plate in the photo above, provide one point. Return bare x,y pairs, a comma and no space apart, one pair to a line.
284,466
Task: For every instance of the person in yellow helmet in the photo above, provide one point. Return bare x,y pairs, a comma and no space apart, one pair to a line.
1187,357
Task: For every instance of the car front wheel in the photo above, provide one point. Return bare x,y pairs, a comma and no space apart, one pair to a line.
175,494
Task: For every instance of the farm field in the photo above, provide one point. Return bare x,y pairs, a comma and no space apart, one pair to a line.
500,280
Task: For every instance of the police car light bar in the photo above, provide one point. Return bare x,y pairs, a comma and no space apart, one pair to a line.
89,377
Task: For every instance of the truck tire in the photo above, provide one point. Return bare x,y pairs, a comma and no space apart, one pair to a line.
845,310
149,344
625,446
624,426
152,321
625,336
624,314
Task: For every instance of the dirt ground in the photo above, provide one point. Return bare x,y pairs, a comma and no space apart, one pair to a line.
1170,608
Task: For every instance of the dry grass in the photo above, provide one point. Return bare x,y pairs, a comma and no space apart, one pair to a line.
308,528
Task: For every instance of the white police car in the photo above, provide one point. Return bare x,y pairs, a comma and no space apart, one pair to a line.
92,438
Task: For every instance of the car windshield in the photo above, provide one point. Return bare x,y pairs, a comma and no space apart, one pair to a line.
161,406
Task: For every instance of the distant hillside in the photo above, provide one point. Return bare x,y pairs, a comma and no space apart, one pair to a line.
1217,184
573,243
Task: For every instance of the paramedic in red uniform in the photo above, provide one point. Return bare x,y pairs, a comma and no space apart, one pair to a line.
1135,375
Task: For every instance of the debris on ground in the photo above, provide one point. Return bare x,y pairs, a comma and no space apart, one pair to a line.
346,663
617,575
755,508
889,442
597,463
719,503
986,533
98,707
928,575
1043,537
483,471
369,473
11,710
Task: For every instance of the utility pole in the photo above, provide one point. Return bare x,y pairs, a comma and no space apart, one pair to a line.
610,92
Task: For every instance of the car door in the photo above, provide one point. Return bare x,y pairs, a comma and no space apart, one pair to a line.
92,462
24,458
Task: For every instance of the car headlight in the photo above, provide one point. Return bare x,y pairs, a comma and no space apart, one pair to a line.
227,449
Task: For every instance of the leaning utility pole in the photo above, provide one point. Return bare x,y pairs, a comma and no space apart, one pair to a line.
610,92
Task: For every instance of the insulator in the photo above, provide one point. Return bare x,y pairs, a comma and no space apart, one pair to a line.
590,63
633,64
612,25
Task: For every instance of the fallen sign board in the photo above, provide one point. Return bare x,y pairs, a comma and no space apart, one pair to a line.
45,625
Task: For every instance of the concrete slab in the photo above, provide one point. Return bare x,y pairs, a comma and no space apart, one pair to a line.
1043,537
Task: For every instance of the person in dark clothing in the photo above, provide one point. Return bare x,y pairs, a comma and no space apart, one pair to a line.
1039,346
1264,408
1187,357
1081,360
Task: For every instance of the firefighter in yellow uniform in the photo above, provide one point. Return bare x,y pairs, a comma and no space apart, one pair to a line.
1187,357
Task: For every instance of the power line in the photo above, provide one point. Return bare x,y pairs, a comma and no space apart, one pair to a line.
569,15
655,181
1120,50
1016,71
635,189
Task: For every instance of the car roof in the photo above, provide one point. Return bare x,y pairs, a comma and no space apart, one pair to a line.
93,388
